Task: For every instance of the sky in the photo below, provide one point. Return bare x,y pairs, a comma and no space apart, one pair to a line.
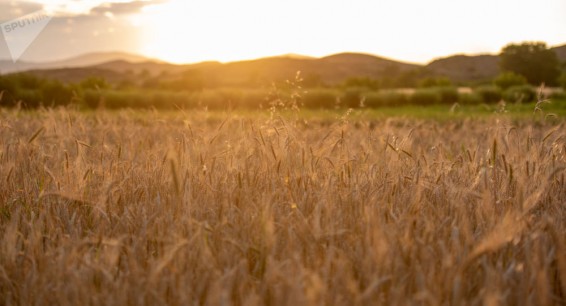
187,31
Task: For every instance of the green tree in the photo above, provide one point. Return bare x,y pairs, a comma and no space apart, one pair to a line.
533,60
508,79
94,83
55,93
313,80
362,82
429,82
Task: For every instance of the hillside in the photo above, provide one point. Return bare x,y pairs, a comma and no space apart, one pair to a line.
91,59
86,60
153,68
354,64
333,69
75,75
465,68
330,70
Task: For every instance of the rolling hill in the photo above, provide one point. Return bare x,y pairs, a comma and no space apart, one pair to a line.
333,69
86,60
465,68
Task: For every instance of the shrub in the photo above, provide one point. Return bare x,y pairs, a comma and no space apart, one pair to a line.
362,82
55,93
206,97
524,93
472,98
253,99
114,99
509,79
489,93
434,82
352,97
27,81
426,96
131,99
559,95
171,100
448,95
94,83
320,98
33,91
7,89
29,97
225,98
92,98
218,98
385,98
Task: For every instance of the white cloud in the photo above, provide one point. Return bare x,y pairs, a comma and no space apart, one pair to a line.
80,7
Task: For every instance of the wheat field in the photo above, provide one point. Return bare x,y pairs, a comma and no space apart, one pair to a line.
127,208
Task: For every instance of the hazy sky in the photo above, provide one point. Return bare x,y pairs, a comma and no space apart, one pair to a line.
192,31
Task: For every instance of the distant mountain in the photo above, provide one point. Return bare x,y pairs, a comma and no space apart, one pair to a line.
356,64
90,59
465,68
153,68
293,55
333,69
8,66
81,73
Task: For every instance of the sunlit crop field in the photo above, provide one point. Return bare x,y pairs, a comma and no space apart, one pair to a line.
130,208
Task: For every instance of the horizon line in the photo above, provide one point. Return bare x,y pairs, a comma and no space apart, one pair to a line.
288,54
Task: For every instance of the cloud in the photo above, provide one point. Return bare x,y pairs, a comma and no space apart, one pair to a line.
14,9
68,36
123,8
10,9
77,26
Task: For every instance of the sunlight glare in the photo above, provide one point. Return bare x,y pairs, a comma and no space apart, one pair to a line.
189,31
181,32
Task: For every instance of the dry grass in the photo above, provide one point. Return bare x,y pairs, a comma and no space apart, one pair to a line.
129,209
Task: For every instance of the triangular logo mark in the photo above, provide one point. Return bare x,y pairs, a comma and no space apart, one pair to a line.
19,33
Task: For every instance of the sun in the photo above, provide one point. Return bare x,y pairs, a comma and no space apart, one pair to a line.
181,31
187,31
165,31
